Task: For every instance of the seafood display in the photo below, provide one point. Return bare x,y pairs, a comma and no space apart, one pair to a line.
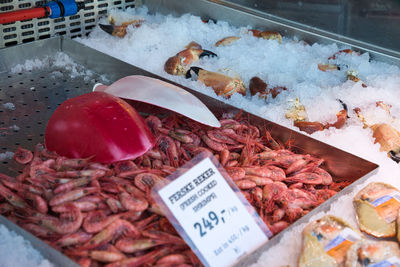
104,213
341,67
377,207
335,64
226,86
180,64
258,86
315,74
222,84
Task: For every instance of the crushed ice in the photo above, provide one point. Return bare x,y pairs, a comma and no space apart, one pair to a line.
61,61
15,251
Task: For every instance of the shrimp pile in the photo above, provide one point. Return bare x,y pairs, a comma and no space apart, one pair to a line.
103,214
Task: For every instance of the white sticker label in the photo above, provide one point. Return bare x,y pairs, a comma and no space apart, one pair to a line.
212,216
345,234
385,198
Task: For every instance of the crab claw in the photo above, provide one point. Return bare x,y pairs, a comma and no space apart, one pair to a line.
222,84
309,126
207,53
258,86
343,104
227,41
352,75
193,73
394,156
107,28
326,67
341,117
269,35
314,126
119,31
207,20
344,107
344,51
174,66
178,64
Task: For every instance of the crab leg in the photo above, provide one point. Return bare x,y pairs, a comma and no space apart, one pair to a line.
227,41
222,84
269,35
393,156
341,117
314,126
386,135
207,53
120,30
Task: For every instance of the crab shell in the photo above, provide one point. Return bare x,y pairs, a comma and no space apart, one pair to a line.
313,253
368,252
367,215
223,85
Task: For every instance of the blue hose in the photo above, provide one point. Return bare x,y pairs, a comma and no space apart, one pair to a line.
62,8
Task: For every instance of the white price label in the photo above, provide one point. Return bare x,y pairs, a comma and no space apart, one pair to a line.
215,221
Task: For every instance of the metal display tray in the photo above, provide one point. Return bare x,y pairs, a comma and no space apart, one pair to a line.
36,94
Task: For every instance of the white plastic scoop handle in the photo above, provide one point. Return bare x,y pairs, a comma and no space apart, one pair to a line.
161,94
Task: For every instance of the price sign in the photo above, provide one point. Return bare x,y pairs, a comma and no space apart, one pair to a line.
218,223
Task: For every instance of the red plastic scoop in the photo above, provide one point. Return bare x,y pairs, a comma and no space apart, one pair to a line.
100,125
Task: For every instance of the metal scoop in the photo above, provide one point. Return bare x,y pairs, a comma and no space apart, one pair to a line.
161,94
